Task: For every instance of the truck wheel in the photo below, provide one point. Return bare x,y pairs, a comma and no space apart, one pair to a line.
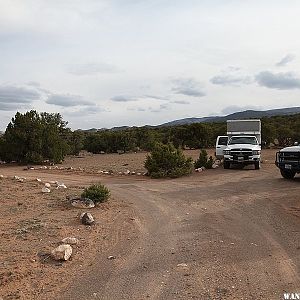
226,165
287,174
257,165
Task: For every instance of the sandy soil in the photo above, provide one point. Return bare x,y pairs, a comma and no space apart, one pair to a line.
219,234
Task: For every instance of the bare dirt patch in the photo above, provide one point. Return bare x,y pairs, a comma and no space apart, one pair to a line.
32,224
236,232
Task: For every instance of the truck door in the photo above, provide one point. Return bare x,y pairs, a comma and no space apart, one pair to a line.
221,144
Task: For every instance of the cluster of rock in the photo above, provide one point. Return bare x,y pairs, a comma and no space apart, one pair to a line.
47,187
19,179
56,168
127,172
215,165
64,251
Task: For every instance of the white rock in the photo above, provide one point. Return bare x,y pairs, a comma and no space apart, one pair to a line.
127,172
1,176
132,173
111,257
39,180
47,185
70,241
61,186
182,265
53,182
138,174
62,252
45,190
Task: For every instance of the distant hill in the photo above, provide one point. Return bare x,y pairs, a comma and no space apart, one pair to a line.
247,114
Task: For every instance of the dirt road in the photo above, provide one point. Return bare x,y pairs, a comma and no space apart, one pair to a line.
220,234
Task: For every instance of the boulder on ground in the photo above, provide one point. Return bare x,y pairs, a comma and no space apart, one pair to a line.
82,202
70,241
45,190
87,218
62,252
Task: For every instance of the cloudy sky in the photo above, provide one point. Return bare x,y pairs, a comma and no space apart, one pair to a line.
105,63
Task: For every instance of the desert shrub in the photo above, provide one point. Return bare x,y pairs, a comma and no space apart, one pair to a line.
96,192
167,161
204,160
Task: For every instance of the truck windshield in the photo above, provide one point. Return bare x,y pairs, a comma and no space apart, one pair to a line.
243,140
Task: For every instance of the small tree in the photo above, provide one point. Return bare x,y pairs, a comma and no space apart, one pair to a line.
96,192
203,160
167,161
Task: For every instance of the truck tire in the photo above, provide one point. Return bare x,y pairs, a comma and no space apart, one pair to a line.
257,165
287,174
226,165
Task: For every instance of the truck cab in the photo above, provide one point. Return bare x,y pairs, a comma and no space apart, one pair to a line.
243,150
288,161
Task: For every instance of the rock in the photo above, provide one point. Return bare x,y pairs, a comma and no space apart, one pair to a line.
182,265
70,241
39,180
82,203
127,172
62,252
45,190
132,173
47,185
138,174
111,257
87,218
61,185
1,176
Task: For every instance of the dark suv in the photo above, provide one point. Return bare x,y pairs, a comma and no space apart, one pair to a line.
288,161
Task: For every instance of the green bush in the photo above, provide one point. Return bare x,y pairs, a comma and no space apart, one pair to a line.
96,192
167,161
203,160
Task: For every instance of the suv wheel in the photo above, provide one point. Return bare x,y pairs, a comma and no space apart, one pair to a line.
287,174
257,165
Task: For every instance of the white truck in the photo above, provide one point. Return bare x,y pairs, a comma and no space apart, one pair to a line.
243,143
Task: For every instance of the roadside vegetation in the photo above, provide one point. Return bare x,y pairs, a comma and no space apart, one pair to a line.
97,192
204,160
35,137
167,161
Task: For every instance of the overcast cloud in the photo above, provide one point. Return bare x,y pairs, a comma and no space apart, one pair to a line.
13,94
91,69
68,100
116,61
285,60
188,87
279,81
